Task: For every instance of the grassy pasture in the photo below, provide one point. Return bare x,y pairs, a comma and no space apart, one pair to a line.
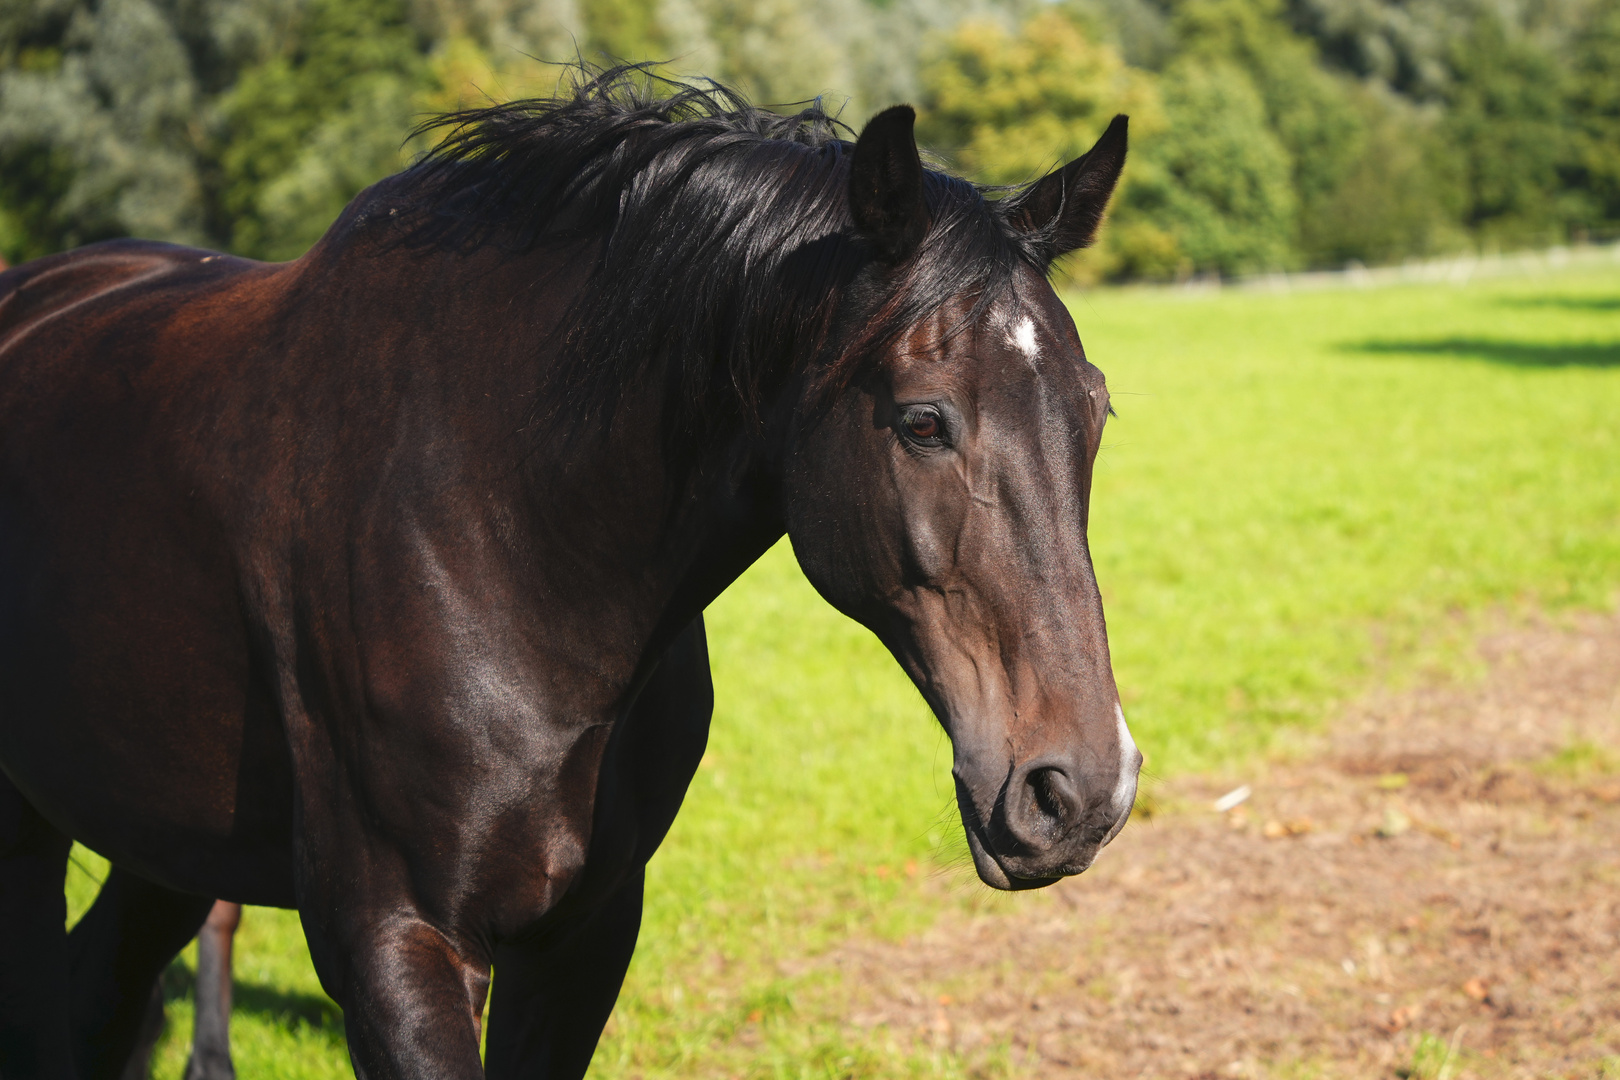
1301,494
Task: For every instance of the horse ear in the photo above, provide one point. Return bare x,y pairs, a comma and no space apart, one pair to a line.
1064,208
885,185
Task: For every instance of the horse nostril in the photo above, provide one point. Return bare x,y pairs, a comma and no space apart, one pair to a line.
1049,804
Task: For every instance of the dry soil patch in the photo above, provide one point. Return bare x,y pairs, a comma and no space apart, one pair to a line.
1436,892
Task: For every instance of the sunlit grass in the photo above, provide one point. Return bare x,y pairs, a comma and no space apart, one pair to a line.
1300,489
1300,494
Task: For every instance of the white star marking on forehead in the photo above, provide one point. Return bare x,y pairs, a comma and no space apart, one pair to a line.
1022,338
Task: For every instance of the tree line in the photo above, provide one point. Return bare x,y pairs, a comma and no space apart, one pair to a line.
1266,134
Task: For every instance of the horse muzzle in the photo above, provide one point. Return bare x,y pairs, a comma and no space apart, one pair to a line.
1048,819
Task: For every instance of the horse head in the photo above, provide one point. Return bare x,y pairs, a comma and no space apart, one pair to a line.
940,496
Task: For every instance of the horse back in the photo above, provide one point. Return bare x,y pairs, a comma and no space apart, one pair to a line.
128,710
70,276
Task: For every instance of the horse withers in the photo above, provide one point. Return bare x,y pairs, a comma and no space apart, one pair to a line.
371,584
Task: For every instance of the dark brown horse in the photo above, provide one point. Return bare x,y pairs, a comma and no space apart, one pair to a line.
371,584
211,1034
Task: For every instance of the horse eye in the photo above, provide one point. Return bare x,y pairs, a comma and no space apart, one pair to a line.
922,423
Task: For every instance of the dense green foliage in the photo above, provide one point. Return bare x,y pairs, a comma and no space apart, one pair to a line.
248,124
1308,135
1268,134
304,131
1300,494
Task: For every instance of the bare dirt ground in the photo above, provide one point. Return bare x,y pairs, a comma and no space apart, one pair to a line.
1434,893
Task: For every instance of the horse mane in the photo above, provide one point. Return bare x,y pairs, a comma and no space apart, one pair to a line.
727,253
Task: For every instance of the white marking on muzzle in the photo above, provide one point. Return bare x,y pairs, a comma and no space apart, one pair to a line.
1125,788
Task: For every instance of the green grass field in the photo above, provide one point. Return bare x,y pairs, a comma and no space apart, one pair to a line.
1301,494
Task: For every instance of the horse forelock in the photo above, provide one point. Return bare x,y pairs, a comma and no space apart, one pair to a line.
728,254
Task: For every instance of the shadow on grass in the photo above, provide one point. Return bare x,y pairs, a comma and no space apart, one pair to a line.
316,1010
1527,354
1569,303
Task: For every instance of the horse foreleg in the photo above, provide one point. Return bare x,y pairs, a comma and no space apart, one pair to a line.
139,1065
211,1045
551,1002
115,955
552,999
34,1032
411,998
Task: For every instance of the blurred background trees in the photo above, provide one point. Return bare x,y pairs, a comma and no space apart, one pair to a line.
1267,134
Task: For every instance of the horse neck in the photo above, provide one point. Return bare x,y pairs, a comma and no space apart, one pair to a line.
602,532
637,532
672,529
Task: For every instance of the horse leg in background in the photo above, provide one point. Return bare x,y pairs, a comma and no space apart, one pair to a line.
211,1038
115,955
211,1047
34,1031
549,1004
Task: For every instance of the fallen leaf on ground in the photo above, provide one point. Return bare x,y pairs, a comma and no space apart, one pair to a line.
1440,832
1394,824
1399,1019
1276,830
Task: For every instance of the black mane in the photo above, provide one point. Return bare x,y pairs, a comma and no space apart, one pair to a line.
728,255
